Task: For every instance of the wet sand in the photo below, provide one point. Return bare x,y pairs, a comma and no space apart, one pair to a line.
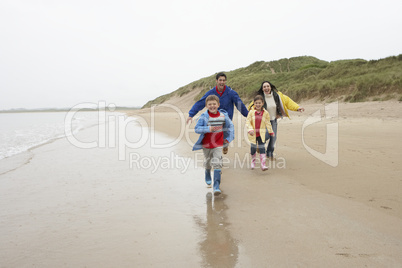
68,206
74,207
303,211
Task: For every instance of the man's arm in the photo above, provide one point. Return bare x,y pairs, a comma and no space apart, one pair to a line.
239,104
198,106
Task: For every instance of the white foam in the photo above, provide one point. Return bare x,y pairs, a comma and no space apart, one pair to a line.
20,132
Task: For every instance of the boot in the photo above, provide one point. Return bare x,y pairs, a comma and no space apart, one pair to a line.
208,179
217,181
263,158
253,161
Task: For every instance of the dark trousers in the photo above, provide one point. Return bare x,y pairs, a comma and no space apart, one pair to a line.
259,144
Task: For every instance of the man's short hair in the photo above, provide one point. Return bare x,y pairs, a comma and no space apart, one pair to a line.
211,98
220,74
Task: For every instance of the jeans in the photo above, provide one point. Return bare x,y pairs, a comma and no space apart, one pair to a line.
258,144
272,140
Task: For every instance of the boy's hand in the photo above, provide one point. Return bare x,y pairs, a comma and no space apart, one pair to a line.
215,129
251,132
189,120
272,134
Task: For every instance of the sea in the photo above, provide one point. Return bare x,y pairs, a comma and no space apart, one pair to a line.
21,131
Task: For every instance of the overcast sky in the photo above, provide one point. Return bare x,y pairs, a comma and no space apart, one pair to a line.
62,53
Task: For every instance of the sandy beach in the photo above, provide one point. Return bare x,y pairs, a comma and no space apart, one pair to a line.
123,205
303,211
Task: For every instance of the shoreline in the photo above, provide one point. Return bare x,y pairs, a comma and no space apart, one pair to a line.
21,153
355,123
99,207
70,206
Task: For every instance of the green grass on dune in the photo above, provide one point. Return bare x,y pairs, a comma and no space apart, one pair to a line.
306,77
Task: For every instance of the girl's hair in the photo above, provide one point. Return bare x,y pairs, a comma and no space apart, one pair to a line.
259,97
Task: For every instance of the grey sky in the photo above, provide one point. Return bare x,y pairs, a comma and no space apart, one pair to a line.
62,53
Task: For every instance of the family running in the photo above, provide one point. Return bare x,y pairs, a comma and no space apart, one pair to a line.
217,131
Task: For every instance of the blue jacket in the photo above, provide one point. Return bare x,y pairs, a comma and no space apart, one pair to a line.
202,127
229,99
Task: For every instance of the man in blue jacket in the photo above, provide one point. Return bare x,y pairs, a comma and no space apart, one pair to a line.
227,98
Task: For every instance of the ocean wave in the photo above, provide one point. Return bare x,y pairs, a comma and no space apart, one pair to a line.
24,131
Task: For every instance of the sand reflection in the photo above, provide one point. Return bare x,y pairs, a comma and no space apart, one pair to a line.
218,249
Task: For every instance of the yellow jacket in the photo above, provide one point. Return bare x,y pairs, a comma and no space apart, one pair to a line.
265,124
285,102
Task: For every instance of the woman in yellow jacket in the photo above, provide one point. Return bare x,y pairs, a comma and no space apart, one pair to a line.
257,124
277,105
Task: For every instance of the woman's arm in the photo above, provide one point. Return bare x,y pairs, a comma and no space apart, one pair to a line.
289,103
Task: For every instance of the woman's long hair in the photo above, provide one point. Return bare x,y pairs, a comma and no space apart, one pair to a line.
261,92
274,94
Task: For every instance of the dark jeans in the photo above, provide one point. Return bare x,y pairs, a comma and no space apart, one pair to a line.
272,140
260,145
